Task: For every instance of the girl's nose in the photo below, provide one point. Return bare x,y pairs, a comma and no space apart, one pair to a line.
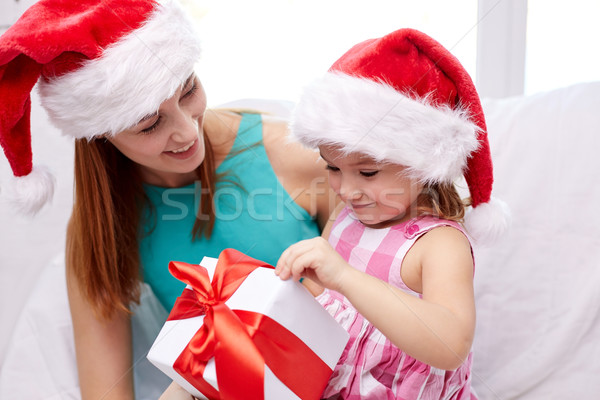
349,191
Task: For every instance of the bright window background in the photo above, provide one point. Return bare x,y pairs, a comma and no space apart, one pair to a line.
562,43
272,48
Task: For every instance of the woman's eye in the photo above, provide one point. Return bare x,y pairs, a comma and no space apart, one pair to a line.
191,90
332,168
152,127
368,173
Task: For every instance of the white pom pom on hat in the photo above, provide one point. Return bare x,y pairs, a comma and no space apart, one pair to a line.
28,194
102,65
405,99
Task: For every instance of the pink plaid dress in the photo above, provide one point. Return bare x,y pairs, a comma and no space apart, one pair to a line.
371,367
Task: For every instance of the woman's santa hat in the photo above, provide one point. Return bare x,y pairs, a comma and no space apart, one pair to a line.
103,64
403,98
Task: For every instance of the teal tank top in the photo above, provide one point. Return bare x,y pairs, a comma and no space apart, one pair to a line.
255,215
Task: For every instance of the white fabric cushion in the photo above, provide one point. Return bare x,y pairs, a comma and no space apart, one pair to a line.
40,361
538,302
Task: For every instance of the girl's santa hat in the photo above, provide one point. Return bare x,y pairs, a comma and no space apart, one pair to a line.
403,98
103,64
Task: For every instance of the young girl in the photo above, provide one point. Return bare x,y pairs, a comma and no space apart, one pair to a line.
397,120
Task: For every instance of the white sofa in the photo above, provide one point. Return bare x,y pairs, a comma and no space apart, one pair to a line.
538,302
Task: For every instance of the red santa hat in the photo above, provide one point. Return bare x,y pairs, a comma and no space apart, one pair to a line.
403,98
102,66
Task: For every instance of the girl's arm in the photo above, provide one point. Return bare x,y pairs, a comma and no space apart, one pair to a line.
103,349
437,329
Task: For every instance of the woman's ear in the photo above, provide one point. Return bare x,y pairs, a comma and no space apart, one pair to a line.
104,137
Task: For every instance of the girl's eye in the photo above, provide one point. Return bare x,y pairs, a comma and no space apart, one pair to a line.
152,127
332,168
368,173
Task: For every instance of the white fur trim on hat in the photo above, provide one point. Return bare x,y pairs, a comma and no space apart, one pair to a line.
129,81
29,193
361,115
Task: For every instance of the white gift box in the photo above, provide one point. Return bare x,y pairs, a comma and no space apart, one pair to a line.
286,302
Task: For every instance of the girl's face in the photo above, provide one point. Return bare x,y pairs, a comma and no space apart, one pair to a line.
168,145
379,194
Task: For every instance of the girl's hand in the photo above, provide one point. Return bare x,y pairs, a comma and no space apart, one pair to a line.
314,259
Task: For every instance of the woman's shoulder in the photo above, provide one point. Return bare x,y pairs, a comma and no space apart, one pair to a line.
221,127
291,161
287,155
299,169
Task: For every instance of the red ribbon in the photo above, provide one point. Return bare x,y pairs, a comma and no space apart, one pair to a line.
240,341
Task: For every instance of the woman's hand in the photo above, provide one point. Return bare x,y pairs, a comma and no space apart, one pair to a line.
314,259
176,392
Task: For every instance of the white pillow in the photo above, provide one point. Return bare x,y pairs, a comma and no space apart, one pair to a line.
538,302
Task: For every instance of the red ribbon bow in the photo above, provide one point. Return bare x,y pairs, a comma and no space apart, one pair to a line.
240,341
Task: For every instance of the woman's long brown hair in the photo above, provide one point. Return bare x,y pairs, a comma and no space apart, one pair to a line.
102,237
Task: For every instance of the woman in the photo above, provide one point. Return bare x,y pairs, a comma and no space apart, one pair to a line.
157,176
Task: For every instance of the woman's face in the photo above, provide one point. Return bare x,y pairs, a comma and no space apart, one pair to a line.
168,145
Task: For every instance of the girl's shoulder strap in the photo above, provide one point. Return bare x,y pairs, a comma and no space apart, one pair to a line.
421,225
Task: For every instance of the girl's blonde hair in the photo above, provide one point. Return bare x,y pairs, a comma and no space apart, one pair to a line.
442,200
102,238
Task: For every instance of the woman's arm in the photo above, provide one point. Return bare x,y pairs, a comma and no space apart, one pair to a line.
176,392
103,349
437,329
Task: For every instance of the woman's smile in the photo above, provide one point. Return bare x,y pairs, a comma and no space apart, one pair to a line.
184,152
